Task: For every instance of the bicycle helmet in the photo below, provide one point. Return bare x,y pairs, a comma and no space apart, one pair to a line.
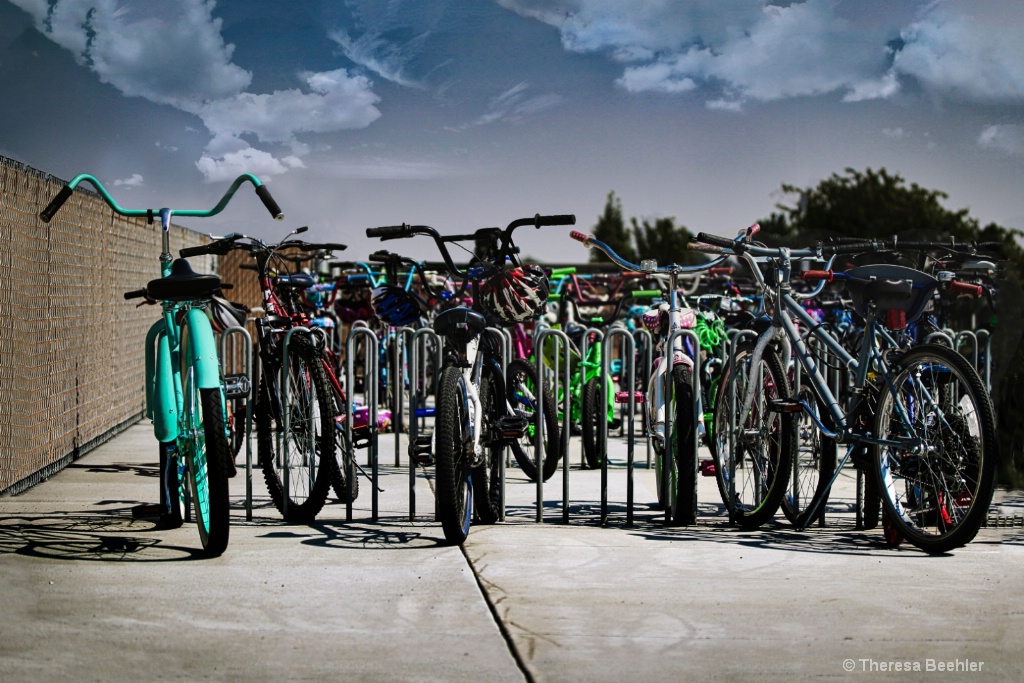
516,294
224,314
395,306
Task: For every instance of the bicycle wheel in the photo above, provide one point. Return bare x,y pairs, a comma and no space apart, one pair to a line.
487,475
173,479
763,441
204,446
813,465
452,466
298,478
520,386
937,479
344,469
685,509
592,411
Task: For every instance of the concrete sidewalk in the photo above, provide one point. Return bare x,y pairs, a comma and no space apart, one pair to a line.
91,594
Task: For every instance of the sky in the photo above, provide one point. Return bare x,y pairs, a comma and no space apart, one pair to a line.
463,114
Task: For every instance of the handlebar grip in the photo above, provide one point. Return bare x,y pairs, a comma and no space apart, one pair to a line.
554,296
715,240
579,236
721,270
136,294
54,206
264,194
390,232
847,248
380,256
562,272
559,219
753,229
645,293
816,275
194,251
965,288
706,248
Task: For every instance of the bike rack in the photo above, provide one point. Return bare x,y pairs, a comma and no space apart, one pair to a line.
987,369
666,462
417,370
505,339
645,371
228,360
598,335
370,363
628,349
539,340
400,339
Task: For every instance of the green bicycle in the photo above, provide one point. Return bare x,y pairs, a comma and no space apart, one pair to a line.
184,391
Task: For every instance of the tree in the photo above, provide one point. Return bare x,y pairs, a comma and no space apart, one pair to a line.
664,242
876,204
611,229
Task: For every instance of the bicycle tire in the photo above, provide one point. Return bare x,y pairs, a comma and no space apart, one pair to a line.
487,498
590,425
685,509
764,447
344,469
936,495
205,448
813,464
454,478
311,420
520,386
173,477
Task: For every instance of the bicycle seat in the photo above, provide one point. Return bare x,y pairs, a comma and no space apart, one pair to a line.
295,281
183,284
460,323
891,288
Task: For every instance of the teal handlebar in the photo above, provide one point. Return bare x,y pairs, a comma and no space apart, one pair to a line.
65,193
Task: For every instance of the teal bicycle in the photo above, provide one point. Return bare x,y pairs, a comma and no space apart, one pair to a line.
185,396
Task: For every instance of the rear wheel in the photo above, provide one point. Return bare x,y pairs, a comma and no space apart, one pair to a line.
937,476
685,510
487,475
763,441
451,460
813,465
521,388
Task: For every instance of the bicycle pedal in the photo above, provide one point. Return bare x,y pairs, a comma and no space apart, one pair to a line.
421,450
361,436
707,468
237,386
513,426
784,405
623,397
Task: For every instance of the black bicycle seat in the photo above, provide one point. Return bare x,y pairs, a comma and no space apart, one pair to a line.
183,284
460,323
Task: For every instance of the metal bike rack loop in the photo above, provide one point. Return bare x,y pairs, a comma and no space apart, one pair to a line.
370,371
505,339
598,335
228,360
645,372
564,362
417,370
735,337
628,348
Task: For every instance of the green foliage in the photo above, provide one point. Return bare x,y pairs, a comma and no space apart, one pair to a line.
876,204
611,229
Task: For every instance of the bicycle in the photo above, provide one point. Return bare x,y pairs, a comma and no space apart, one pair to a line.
670,388
474,419
919,418
185,395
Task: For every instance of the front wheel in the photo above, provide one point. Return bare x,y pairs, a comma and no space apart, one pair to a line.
936,473
452,456
762,440
521,387
813,465
685,509
204,447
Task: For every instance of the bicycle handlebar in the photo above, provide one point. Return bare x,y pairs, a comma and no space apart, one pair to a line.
65,193
590,241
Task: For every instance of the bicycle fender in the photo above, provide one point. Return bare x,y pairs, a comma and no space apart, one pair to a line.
199,349
161,401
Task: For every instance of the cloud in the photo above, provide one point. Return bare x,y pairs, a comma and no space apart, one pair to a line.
513,106
232,164
1004,138
134,181
172,53
737,51
386,59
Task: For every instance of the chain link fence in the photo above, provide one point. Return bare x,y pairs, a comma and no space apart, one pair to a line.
72,362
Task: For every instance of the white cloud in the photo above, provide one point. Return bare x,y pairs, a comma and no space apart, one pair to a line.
386,59
172,53
231,165
1004,138
134,181
513,106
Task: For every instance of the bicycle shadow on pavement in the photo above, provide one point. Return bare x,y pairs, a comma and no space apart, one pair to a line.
93,537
